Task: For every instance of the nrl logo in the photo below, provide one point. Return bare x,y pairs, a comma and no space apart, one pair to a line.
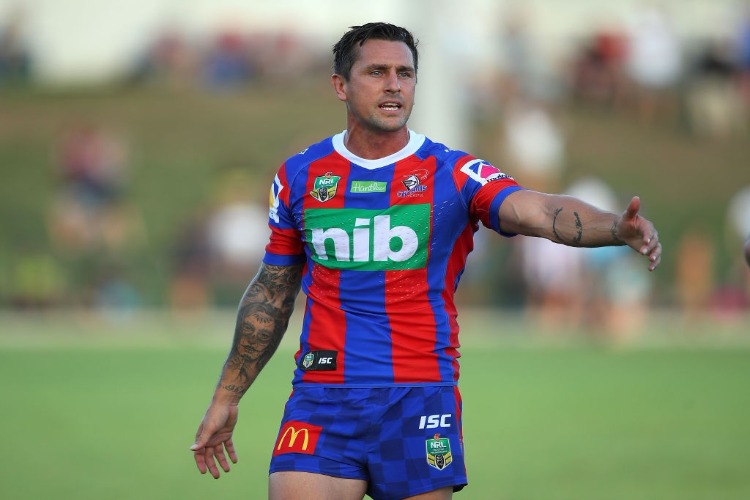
325,187
439,452
308,360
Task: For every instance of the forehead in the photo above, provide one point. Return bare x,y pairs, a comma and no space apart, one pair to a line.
384,52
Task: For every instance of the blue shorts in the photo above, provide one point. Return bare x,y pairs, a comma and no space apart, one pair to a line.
402,440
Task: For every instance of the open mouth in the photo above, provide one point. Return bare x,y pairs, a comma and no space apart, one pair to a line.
390,106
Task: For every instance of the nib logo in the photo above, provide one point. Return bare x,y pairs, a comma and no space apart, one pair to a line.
369,240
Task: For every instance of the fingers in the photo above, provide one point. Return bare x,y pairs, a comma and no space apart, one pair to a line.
221,458
206,459
200,460
229,445
652,250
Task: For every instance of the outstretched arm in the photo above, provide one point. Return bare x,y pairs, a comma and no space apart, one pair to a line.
570,221
262,319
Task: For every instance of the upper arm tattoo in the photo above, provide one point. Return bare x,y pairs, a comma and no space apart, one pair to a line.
262,319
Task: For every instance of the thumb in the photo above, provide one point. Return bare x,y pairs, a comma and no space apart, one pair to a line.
633,208
200,440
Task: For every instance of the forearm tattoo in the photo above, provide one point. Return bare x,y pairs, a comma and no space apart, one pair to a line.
579,229
262,319
575,240
554,224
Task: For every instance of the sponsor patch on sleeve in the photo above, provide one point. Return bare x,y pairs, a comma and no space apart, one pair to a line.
483,172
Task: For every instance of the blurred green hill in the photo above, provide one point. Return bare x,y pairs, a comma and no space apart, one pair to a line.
181,141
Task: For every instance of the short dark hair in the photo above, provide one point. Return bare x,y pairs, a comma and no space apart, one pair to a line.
345,50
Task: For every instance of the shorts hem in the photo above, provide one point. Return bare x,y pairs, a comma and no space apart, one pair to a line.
457,486
311,470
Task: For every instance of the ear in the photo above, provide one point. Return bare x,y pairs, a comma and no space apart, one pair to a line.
339,86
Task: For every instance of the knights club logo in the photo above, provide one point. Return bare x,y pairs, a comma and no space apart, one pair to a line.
413,184
439,452
325,187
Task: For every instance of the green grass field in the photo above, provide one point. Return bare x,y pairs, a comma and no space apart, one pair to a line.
95,410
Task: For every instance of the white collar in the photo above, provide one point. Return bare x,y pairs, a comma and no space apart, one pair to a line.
415,142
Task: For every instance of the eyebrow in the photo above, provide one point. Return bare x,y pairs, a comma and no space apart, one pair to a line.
387,66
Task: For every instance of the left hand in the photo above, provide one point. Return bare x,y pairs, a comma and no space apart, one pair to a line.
639,233
213,437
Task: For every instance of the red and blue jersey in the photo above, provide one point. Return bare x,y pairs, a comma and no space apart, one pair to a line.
384,242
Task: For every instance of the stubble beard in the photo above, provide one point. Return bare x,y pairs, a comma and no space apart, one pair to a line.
380,124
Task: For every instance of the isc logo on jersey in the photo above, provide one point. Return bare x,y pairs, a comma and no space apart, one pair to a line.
369,240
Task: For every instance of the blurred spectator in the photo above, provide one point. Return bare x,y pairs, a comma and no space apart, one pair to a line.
189,290
113,296
15,58
738,229
714,99
533,145
742,43
237,232
168,59
597,73
36,280
747,250
694,277
615,286
228,64
524,72
553,275
654,64
90,210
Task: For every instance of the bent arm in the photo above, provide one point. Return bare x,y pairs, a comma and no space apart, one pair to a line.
262,319
573,222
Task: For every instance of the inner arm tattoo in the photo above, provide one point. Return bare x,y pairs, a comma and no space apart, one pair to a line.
554,223
262,319
579,227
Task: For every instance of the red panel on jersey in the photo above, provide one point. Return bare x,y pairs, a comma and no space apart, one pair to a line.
411,315
456,263
327,323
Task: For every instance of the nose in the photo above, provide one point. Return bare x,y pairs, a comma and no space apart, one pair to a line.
392,84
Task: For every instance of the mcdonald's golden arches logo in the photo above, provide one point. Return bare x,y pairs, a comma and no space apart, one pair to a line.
297,437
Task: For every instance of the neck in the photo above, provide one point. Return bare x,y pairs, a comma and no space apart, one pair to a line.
372,145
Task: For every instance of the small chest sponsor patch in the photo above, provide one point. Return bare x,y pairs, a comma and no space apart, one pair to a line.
318,361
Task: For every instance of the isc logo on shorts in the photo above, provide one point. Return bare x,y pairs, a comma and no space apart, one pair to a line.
297,437
434,421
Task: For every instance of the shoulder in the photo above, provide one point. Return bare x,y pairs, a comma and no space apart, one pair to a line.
444,155
298,162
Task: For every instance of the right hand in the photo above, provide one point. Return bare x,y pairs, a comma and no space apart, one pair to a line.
213,437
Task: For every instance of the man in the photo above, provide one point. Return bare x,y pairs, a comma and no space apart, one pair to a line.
375,225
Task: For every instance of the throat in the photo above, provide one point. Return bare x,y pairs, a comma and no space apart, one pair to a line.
372,145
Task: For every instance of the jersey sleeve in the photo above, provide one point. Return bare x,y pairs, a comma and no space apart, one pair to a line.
484,188
285,246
